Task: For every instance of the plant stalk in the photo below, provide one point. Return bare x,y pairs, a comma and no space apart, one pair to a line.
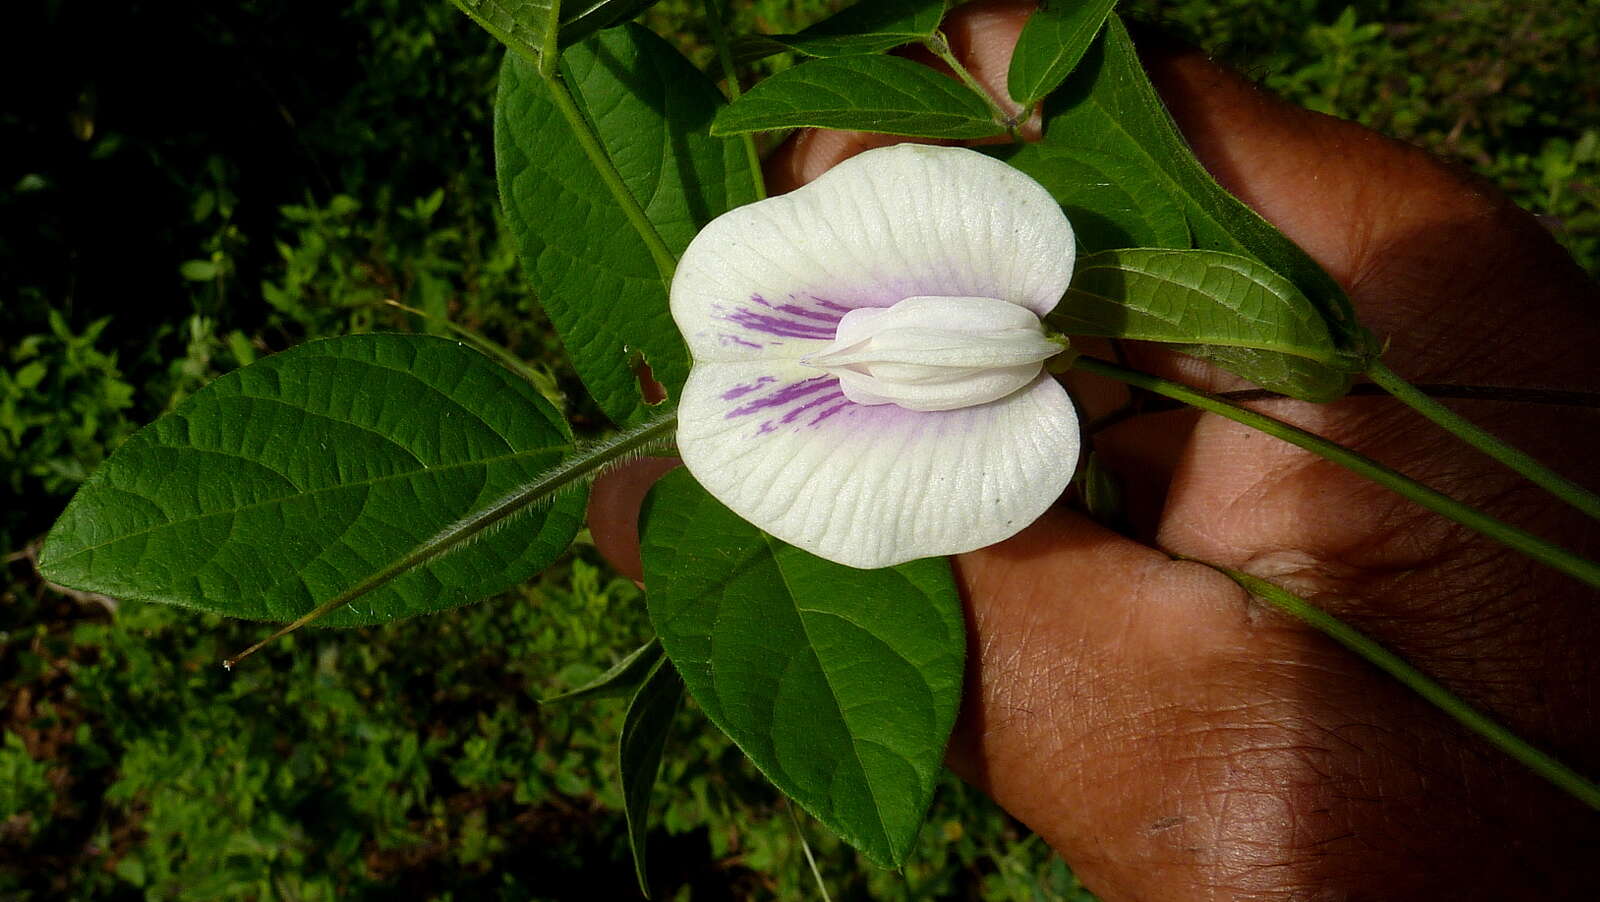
582,466
666,261
1573,565
730,73
938,46
1429,689
1535,472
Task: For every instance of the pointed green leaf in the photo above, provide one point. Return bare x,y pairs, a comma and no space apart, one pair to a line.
591,271
1111,200
1108,106
288,482
871,26
884,94
1051,44
524,25
1195,296
623,678
840,684
582,18
644,736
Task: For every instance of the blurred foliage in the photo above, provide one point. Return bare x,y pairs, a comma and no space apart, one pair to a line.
205,183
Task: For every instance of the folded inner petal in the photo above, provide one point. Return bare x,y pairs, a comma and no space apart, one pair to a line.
765,279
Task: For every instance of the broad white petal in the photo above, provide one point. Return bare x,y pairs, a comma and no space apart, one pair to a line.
773,278
872,486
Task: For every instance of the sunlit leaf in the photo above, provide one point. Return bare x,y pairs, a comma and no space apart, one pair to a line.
840,684
1195,297
868,93
871,26
1051,44
590,270
286,483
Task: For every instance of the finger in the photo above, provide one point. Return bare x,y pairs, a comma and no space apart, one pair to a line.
1174,741
614,504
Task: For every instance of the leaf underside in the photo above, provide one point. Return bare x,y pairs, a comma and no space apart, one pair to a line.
285,483
871,26
840,684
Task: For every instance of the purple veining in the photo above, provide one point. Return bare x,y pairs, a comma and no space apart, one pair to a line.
779,326
791,392
797,310
842,405
739,391
736,340
830,305
794,414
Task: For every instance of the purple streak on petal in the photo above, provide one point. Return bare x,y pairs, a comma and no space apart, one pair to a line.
794,414
843,405
796,310
739,391
736,340
779,326
829,305
783,396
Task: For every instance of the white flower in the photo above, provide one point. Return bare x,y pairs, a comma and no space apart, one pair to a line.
867,379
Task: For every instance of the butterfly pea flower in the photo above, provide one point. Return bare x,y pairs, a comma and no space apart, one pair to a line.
868,379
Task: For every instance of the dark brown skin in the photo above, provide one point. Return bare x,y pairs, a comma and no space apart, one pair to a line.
1173,739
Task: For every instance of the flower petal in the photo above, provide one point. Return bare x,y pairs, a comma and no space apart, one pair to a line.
872,486
773,278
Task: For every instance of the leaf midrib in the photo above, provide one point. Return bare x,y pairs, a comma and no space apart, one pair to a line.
365,483
877,808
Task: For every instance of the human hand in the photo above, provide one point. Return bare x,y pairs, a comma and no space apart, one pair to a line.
1173,739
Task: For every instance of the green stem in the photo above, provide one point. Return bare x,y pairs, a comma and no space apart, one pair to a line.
1415,680
938,46
1529,544
583,465
1536,473
666,262
719,37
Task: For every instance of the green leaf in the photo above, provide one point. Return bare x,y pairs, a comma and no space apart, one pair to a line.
840,684
524,25
871,26
624,678
582,18
1111,200
644,736
883,94
1203,297
286,483
1051,44
1108,106
591,271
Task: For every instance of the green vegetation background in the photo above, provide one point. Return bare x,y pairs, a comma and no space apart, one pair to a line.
189,186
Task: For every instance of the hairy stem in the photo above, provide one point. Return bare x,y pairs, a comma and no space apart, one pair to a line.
1521,540
719,37
1429,689
1535,472
582,466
